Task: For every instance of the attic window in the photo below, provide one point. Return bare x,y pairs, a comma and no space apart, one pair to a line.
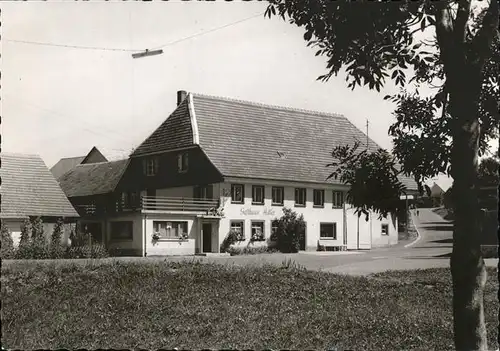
281,154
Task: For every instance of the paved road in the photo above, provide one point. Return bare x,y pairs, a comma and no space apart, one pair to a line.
431,250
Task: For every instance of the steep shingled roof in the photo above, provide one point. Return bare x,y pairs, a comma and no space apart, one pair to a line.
174,132
93,178
65,164
29,189
253,140
68,163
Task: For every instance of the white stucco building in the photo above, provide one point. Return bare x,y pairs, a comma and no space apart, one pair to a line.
247,159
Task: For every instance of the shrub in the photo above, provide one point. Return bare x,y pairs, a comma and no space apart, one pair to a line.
56,247
248,250
37,229
87,251
25,233
232,237
7,244
37,246
33,244
290,229
33,250
83,247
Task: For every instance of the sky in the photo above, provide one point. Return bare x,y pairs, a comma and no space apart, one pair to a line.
59,101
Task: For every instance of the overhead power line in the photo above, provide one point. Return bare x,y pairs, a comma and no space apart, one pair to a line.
68,46
97,48
208,31
79,125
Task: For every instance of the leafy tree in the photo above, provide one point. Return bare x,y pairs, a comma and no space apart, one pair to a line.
373,179
488,172
291,228
445,132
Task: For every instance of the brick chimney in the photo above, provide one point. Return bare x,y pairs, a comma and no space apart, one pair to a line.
181,95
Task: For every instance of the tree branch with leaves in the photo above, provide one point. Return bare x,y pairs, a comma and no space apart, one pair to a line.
374,41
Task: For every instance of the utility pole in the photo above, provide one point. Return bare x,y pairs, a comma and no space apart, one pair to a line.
367,140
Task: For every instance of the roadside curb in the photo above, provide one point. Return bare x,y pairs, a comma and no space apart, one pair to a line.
418,233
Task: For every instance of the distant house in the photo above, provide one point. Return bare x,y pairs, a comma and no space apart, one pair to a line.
92,189
436,195
66,164
29,189
249,160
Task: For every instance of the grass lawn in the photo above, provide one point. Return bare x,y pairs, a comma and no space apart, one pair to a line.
193,306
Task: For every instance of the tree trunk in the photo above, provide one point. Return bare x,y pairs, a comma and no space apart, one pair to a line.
467,265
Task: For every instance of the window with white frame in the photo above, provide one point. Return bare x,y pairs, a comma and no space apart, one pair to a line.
300,197
338,199
319,197
258,231
237,193
257,194
182,162
170,229
239,228
385,229
277,195
150,166
328,231
122,230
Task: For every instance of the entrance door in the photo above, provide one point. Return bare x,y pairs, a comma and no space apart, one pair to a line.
207,237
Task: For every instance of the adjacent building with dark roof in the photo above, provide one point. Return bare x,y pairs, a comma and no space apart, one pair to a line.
218,164
93,190
29,189
66,164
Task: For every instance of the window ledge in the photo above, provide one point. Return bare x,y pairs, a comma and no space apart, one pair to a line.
276,204
318,206
257,203
237,202
329,239
299,205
